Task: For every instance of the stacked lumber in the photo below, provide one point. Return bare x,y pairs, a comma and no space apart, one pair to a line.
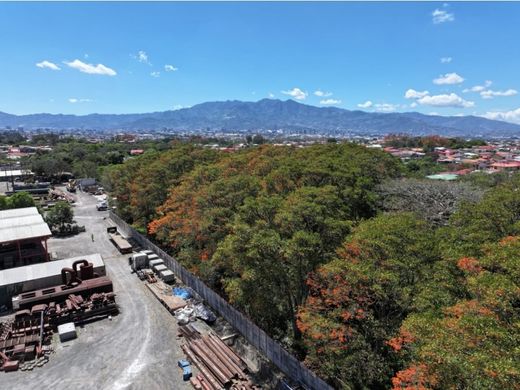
56,194
168,300
219,367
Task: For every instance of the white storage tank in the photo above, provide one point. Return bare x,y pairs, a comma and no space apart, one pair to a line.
139,260
155,263
152,256
167,276
159,268
67,331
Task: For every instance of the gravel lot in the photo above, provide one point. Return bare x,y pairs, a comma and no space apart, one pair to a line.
138,349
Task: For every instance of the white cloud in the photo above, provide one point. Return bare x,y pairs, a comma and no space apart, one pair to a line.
380,107
446,60
91,69
330,102
155,74
386,107
271,95
479,88
476,88
512,116
75,100
322,94
413,105
367,104
445,100
448,79
442,16
170,68
48,65
490,94
413,94
142,57
179,107
296,93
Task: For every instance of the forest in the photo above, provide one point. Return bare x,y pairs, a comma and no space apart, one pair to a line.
373,277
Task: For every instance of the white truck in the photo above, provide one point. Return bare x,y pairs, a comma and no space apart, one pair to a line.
138,261
102,205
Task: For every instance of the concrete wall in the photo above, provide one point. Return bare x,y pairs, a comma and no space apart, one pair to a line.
254,335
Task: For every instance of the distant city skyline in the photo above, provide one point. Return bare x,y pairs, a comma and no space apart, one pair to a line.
434,58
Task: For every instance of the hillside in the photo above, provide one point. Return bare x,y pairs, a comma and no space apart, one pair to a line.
269,114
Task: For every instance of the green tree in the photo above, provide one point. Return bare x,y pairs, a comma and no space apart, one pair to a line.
357,302
4,202
60,215
20,200
472,344
496,216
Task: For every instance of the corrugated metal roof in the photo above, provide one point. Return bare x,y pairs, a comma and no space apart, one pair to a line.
20,221
22,224
12,213
16,172
44,270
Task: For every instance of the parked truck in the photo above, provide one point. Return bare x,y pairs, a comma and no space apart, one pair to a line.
138,261
71,185
102,205
119,241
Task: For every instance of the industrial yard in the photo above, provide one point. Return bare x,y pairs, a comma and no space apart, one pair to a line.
137,349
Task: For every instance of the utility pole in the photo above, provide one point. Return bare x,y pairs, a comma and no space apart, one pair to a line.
12,177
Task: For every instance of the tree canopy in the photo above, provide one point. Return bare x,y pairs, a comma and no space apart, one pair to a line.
16,201
373,277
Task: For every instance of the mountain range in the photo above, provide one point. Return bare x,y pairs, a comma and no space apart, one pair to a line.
269,114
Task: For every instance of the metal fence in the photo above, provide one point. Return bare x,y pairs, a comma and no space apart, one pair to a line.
287,363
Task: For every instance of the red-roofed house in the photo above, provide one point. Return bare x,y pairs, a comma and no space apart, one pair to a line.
506,165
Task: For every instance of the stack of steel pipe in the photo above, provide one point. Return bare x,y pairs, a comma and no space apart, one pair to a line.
189,332
219,367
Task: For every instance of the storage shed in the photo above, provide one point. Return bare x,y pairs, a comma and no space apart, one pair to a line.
15,281
23,237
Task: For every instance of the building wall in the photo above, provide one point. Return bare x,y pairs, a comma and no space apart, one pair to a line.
8,291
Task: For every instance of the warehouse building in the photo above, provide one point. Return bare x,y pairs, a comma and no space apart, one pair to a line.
18,280
23,237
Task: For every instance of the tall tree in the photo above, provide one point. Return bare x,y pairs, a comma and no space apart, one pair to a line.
358,301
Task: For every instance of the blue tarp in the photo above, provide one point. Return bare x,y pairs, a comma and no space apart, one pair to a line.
181,292
186,369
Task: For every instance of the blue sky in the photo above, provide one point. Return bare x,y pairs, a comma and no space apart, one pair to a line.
446,58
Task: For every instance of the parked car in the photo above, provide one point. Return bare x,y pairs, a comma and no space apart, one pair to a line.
102,206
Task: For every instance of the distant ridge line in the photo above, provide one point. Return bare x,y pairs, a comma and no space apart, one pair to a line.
269,114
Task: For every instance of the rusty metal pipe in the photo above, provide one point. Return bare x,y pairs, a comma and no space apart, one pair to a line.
216,359
212,365
228,351
213,382
79,262
232,367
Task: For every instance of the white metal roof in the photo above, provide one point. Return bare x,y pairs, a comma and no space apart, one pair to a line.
44,270
16,172
12,213
22,224
20,221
